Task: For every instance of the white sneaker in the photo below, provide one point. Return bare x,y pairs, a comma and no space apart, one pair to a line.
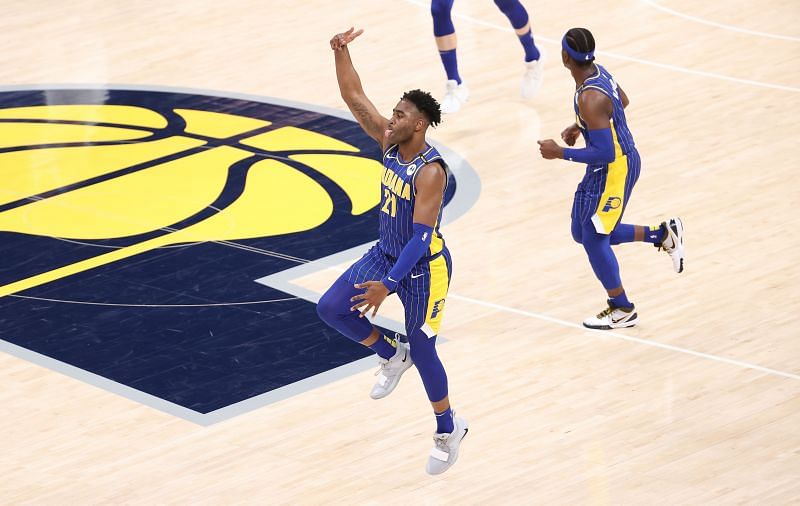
533,78
612,318
673,244
454,96
391,370
445,450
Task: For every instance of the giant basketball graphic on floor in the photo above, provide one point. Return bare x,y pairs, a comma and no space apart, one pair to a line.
135,222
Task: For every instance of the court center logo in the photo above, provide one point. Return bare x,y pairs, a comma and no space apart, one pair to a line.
138,219
125,170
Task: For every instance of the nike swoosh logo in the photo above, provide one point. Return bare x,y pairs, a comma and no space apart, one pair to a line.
406,356
418,275
599,168
623,318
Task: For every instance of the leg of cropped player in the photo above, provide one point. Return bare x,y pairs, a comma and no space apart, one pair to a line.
456,91
534,67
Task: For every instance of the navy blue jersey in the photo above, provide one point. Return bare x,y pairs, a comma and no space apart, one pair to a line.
604,82
605,189
398,195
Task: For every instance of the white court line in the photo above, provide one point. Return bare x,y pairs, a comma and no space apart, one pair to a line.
87,303
106,246
732,28
666,66
328,264
646,342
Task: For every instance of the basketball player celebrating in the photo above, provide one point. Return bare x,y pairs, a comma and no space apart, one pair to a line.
456,91
612,168
410,258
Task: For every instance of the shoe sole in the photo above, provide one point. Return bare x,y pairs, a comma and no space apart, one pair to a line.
622,325
609,327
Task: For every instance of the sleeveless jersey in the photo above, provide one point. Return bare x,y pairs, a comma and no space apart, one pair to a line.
398,195
603,81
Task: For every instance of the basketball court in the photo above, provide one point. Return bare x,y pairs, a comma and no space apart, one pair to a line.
183,181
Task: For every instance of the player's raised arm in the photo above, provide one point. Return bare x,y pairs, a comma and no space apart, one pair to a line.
352,92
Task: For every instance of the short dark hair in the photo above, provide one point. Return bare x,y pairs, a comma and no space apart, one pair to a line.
581,40
426,104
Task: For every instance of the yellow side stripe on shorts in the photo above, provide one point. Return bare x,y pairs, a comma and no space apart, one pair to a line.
439,283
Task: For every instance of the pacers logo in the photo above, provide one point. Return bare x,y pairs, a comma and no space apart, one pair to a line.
146,170
612,203
438,307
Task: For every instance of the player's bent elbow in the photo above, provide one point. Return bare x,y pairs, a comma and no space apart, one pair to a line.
606,154
348,98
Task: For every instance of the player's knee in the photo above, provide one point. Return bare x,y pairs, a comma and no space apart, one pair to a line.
509,6
577,232
323,309
442,22
422,354
441,8
423,348
514,11
328,307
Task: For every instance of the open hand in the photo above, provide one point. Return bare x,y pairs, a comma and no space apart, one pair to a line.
374,294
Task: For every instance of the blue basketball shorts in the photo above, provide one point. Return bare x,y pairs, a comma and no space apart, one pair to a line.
604,192
423,291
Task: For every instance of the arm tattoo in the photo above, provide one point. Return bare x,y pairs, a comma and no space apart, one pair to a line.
365,117
361,110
